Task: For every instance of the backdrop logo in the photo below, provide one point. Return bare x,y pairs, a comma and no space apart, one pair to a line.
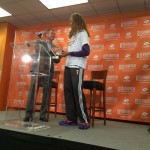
126,101
67,30
20,93
111,100
62,106
145,67
142,102
142,78
21,84
127,113
145,91
111,68
146,22
128,46
18,101
129,24
111,57
53,95
109,89
127,67
56,67
26,34
95,67
58,31
97,37
144,115
109,111
112,26
86,77
126,79
96,27
143,56
146,45
97,47
96,58
112,36
112,47
22,76
143,33
128,35
127,57
126,90
24,66
59,40
112,78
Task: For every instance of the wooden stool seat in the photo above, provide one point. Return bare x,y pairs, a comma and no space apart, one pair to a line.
93,84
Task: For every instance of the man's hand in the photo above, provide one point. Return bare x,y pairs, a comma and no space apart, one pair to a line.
64,54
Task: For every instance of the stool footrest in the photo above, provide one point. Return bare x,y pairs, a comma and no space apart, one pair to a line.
38,103
99,109
52,104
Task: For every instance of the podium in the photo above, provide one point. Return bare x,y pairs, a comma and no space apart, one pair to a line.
31,64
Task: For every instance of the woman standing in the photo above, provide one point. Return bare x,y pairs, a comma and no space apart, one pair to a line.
78,50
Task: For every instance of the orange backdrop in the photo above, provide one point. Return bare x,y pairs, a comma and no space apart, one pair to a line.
120,46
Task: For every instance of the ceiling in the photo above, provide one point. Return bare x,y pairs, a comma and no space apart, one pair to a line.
31,12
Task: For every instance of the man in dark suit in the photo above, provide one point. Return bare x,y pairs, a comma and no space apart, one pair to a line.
45,67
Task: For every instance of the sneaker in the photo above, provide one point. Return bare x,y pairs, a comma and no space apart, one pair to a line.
84,126
27,119
68,123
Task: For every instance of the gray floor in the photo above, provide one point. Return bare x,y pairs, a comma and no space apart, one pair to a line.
118,135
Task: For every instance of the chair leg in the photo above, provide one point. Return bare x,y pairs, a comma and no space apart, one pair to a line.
100,95
93,106
90,107
56,103
104,107
48,108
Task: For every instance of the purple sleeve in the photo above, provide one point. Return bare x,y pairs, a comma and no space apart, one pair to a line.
82,53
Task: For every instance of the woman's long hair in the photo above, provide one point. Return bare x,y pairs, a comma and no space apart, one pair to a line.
78,25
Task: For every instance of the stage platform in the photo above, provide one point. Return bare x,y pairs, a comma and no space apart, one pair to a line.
115,135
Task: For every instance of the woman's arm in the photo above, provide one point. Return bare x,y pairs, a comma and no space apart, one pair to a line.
82,53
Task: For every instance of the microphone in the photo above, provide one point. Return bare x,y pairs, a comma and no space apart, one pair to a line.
40,34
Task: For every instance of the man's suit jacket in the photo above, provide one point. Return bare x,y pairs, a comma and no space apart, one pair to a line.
44,64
